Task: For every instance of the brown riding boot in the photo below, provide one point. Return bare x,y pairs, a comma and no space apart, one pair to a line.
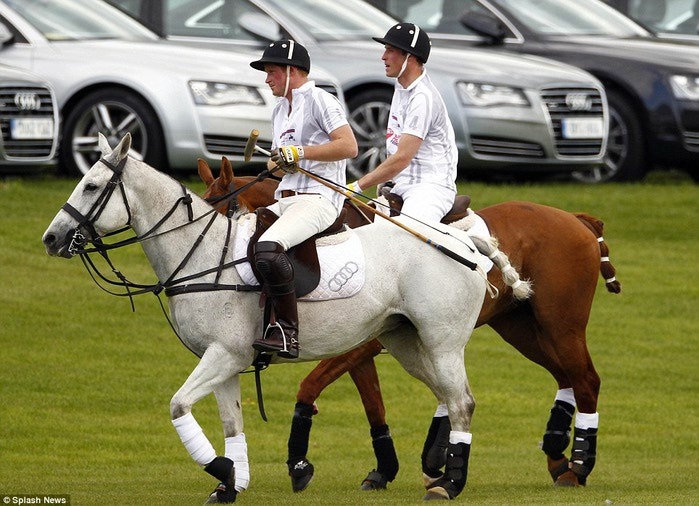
274,266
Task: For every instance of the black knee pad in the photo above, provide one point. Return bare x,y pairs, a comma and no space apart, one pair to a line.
272,263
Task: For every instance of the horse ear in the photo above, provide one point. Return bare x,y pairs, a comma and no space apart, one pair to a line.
103,144
122,149
226,174
205,172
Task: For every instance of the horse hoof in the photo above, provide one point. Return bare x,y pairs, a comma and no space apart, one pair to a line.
567,479
374,481
429,481
436,494
557,467
301,475
222,495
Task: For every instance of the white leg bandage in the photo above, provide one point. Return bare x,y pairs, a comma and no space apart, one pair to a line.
456,437
566,395
441,411
193,438
587,421
237,451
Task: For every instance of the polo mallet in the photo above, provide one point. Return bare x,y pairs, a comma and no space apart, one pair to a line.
252,146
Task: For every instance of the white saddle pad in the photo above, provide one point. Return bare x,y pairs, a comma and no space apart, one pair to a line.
341,257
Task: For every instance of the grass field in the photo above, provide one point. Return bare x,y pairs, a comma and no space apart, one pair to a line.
85,384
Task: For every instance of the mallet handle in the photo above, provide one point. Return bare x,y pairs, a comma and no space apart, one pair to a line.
451,254
251,145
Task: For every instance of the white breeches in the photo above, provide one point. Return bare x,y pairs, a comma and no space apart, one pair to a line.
300,217
427,201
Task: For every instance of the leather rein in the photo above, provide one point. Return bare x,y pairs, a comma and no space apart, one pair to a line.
85,233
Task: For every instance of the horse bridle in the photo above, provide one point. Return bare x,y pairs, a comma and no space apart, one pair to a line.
172,286
86,222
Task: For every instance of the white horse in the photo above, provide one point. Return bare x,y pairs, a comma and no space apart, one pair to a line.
421,305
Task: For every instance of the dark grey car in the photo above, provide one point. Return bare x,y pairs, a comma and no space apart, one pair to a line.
652,82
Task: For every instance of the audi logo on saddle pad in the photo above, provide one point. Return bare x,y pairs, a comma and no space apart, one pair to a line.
579,101
27,101
343,276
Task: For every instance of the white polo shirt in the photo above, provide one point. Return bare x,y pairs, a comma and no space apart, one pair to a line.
420,111
315,115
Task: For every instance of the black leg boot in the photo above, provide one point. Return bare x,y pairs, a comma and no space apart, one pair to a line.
557,437
276,270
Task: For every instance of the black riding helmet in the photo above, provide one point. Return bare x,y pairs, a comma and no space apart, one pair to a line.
284,52
408,37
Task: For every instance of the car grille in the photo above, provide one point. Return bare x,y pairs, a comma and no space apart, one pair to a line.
498,146
25,148
559,106
233,146
692,140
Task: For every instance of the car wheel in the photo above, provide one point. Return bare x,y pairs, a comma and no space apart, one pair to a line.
368,117
112,112
625,153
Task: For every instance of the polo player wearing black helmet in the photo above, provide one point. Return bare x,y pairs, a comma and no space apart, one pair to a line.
420,142
421,148
310,130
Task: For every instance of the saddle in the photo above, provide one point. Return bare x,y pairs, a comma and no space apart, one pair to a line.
458,211
303,256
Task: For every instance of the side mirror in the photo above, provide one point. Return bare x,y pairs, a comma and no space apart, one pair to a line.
485,26
6,36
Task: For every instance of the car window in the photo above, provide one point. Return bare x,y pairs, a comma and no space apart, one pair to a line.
436,16
582,17
327,21
208,18
78,20
668,16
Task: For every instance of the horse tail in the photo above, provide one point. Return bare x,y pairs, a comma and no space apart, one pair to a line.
488,246
607,270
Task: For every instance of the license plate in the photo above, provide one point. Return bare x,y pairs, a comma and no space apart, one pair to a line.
31,128
582,128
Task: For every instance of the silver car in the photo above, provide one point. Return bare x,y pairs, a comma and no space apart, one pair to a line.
28,119
510,113
112,75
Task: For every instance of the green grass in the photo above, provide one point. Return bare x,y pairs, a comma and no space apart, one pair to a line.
85,384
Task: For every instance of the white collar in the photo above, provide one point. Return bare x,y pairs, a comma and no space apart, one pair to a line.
414,83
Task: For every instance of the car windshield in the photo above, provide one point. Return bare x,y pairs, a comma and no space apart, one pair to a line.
581,17
342,20
79,20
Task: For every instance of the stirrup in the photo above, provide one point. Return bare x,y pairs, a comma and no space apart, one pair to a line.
262,345
277,325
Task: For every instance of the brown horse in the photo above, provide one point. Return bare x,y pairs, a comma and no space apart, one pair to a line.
562,254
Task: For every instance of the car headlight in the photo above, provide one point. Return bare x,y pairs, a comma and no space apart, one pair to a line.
484,95
685,87
209,93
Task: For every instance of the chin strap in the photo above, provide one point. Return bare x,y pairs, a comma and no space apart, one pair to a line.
286,86
404,66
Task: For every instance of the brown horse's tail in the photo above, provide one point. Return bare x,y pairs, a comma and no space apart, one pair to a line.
606,268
